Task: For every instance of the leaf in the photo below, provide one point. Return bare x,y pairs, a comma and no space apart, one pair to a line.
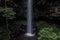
8,12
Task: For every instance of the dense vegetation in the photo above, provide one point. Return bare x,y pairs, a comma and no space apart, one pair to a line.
46,15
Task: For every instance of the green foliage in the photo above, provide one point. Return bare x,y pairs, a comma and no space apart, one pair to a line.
8,12
47,33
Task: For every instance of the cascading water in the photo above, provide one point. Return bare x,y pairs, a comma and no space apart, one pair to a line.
29,18
29,35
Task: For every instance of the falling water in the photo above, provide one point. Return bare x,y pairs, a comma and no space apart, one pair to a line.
29,18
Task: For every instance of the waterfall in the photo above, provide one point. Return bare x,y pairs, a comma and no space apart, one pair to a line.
29,18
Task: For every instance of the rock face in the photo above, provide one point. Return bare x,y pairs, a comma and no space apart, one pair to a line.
50,9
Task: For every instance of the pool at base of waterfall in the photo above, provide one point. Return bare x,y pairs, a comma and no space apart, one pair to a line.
29,34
